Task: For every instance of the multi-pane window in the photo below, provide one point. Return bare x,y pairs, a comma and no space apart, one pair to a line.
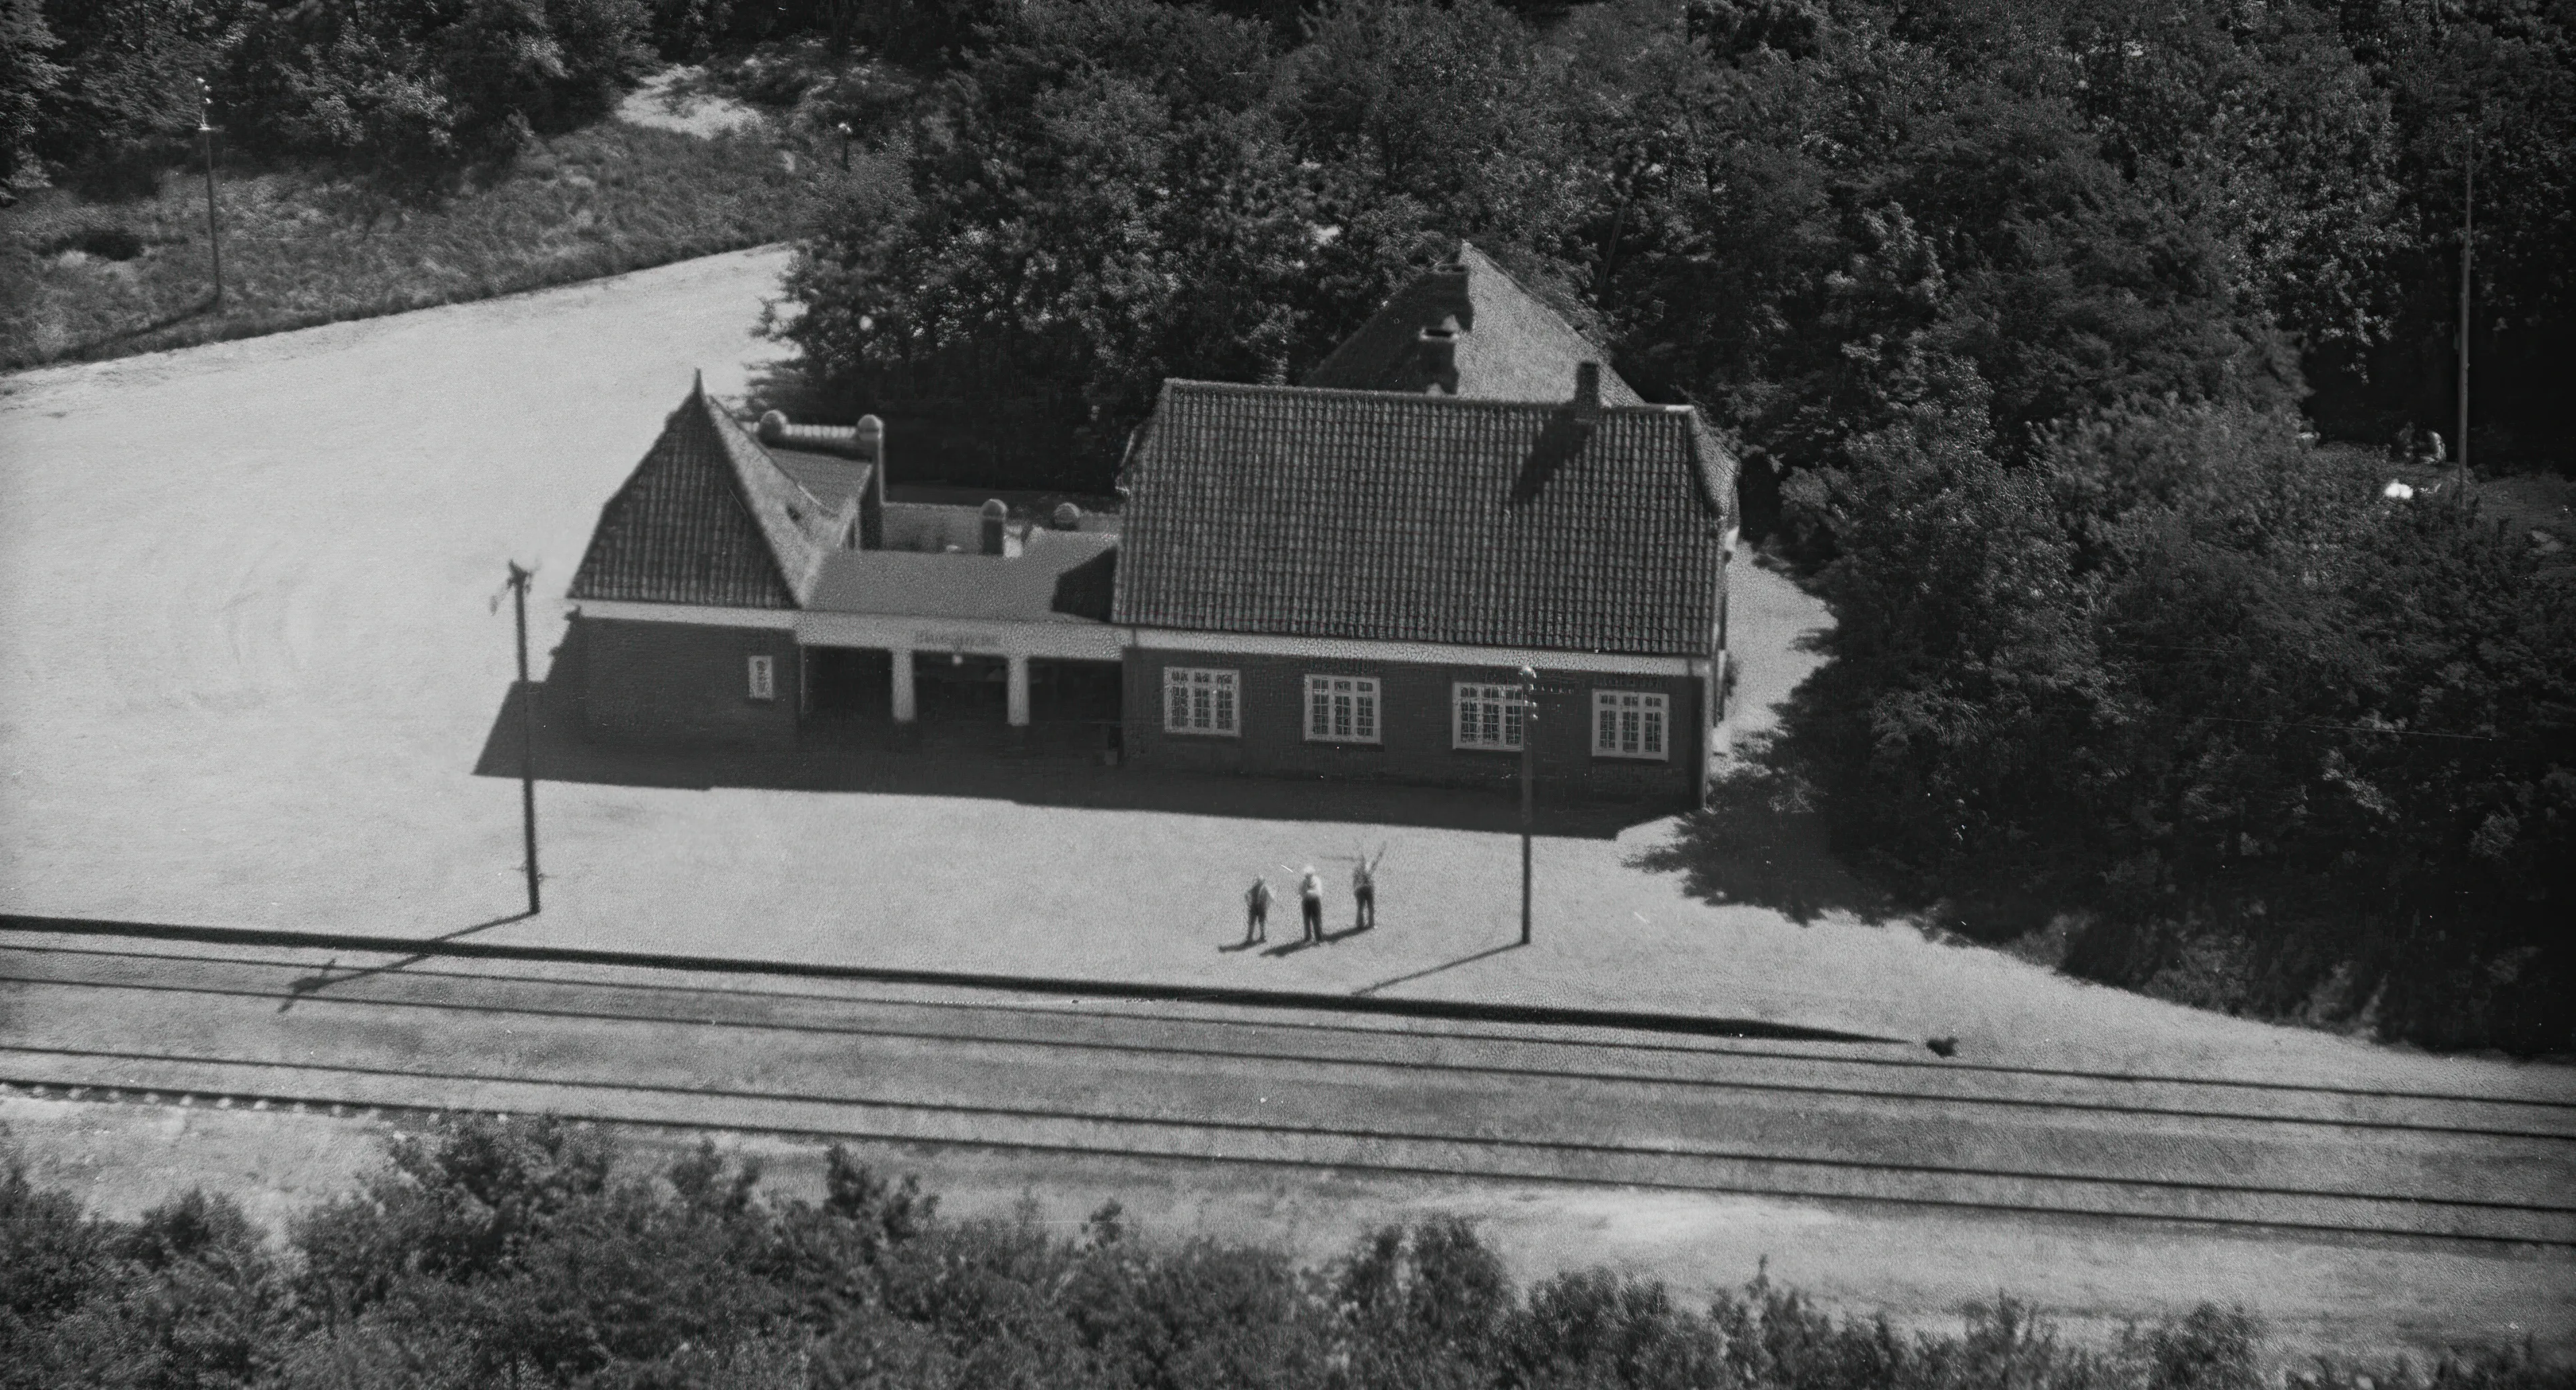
1341,709
1487,716
1197,700
764,678
1629,723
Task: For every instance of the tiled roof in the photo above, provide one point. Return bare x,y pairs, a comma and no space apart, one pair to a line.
832,478
1361,514
1508,345
708,518
1025,586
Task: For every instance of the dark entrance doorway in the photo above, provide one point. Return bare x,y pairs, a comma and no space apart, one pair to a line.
848,683
961,688
1073,692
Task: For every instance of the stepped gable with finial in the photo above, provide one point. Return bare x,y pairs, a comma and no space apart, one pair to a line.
709,518
1467,329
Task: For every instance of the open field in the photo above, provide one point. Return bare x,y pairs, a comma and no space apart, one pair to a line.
252,667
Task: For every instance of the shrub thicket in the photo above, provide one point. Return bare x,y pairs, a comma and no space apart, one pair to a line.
412,93
516,1253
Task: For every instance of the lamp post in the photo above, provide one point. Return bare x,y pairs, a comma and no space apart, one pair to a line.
1527,701
206,137
527,733
2468,233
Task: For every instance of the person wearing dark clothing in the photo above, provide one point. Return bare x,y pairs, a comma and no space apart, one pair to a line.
1364,892
1256,913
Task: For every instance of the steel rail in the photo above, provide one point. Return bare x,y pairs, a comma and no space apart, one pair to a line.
1495,1069
422,949
1257,1127
184,1096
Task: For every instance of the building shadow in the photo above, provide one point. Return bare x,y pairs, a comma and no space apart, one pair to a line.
1761,842
1044,766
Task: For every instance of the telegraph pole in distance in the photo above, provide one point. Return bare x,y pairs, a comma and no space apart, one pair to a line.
527,733
2468,232
206,135
1529,759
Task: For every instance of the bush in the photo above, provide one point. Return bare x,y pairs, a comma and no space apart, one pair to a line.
517,1252
422,90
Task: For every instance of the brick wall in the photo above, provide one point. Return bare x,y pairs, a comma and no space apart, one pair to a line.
681,681
1416,735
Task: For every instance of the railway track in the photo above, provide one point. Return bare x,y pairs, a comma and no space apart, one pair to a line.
2539,1127
1437,1102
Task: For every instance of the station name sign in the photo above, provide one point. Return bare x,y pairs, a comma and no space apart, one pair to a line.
937,640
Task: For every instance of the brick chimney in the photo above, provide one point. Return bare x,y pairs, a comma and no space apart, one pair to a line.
997,522
1587,391
1438,348
871,446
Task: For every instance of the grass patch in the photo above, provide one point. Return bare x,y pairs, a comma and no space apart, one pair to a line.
89,279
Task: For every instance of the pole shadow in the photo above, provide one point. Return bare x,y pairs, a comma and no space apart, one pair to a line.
199,309
1487,953
308,985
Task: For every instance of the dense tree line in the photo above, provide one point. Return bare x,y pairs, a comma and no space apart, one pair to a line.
517,1253
2026,319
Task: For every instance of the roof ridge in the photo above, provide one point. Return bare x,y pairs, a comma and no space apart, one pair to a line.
731,437
1489,263
1426,398
745,434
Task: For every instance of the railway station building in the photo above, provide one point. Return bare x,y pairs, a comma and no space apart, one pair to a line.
1340,578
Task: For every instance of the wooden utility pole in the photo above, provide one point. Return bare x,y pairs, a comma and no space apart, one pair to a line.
206,136
527,733
2468,231
1529,760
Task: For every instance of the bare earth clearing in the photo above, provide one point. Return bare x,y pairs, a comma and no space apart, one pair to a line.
251,667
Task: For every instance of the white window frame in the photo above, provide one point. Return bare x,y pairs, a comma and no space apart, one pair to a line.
1483,715
1632,724
1202,700
1344,709
761,671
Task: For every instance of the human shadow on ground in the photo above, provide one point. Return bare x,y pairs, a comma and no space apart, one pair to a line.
1762,843
1290,948
1040,766
307,985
